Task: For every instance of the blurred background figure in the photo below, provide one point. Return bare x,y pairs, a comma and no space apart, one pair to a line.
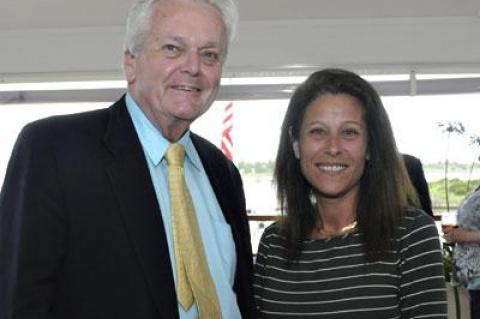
417,177
467,250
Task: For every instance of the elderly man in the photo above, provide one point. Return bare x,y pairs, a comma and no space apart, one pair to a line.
93,224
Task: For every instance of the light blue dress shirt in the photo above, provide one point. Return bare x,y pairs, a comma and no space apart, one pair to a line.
215,231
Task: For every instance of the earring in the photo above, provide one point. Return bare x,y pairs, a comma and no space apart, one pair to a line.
296,150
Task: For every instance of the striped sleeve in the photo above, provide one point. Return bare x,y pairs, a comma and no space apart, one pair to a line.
422,286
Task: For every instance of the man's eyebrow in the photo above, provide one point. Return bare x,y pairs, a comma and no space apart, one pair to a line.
209,44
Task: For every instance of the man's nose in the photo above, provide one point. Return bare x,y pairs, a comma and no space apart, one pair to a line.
191,64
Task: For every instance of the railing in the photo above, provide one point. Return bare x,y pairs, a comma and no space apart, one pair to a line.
262,218
267,218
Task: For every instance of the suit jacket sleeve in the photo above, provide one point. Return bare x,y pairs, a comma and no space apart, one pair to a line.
32,227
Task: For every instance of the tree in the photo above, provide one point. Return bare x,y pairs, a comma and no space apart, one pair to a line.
449,128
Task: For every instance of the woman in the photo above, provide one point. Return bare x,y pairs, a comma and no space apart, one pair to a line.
349,244
467,251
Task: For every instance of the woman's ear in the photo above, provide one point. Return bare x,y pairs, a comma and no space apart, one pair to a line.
296,149
295,146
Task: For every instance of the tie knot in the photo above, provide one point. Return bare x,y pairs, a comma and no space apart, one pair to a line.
175,155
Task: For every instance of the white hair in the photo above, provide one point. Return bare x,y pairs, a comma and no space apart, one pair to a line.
140,14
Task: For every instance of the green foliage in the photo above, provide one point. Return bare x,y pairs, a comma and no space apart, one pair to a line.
453,167
256,168
457,190
457,187
448,261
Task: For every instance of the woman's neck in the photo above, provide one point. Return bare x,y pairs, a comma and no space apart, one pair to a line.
335,215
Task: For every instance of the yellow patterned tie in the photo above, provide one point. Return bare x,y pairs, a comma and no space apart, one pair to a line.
194,281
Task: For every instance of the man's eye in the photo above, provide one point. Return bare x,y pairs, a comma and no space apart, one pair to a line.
211,57
171,49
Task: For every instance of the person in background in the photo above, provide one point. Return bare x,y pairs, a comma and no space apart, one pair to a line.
417,177
467,248
349,244
85,212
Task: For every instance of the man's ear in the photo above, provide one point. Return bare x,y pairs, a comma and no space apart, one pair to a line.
129,66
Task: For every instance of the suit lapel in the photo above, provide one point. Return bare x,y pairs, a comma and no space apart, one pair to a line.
217,174
222,184
138,207
229,193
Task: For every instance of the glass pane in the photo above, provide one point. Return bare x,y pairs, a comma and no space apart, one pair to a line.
13,118
256,131
255,136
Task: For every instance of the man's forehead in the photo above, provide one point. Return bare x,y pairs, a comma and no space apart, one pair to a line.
178,25
162,7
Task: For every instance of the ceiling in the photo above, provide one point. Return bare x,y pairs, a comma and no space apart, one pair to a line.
35,14
45,40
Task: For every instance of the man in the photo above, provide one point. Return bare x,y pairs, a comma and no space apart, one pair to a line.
86,225
417,177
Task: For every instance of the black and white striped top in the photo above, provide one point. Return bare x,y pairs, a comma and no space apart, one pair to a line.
332,278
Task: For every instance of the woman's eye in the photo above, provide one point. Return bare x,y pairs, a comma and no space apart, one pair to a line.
351,132
317,131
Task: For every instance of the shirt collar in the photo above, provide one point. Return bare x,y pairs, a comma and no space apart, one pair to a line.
153,142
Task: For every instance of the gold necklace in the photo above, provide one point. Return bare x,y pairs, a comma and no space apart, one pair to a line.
324,234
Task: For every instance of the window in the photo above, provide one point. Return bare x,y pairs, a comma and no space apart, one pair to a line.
256,131
14,116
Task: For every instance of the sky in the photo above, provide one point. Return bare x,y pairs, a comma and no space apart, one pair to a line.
256,125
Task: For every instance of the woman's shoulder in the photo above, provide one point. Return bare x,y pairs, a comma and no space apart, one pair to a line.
272,234
415,216
416,220
418,235
469,211
471,202
272,230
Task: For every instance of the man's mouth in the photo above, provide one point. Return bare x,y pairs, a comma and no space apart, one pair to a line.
186,88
